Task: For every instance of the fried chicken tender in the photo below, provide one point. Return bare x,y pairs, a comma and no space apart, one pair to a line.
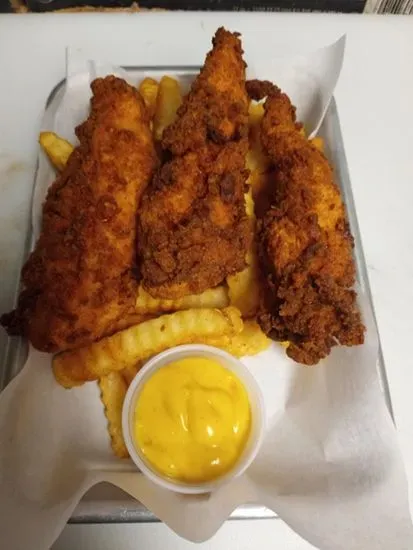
193,228
305,244
79,282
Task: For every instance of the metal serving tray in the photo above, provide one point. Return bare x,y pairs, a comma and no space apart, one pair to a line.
105,503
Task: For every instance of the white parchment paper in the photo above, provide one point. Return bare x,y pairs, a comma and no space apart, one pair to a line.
329,466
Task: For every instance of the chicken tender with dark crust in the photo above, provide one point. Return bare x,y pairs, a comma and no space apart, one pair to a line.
305,245
216,108
79,282
193,228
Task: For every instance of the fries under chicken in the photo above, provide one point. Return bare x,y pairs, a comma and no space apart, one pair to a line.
135,344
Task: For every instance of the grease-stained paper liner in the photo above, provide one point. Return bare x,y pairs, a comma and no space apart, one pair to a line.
329,465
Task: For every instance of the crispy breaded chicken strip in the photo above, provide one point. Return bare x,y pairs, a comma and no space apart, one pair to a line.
216,109
193,229
78,282
305,245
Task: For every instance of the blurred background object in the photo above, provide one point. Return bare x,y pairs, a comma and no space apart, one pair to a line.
347,6
340,6
344,6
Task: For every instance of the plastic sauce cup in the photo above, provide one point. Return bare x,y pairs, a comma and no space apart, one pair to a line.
255,397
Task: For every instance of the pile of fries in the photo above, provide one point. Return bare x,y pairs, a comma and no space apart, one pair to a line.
221,317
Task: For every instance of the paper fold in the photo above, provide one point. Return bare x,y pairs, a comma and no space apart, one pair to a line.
329,466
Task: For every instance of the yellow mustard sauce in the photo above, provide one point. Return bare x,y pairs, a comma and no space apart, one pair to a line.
192,419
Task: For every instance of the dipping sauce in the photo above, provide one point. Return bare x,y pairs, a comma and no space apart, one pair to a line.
192,419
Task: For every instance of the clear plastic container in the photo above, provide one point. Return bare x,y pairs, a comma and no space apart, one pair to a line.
257,416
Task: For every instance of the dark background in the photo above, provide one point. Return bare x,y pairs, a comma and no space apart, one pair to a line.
220,5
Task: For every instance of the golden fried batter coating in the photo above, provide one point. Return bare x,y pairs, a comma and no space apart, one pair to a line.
305,245
78,282
193,229
216,109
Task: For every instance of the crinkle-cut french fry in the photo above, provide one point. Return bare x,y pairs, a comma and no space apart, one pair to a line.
130,320
256,161
249,206
210,298
168,101
112,393
56,148
255,113
318,143
148,89
130,372
243,287
250,341
137,343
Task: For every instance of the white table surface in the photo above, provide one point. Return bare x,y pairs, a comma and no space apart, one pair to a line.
375,100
